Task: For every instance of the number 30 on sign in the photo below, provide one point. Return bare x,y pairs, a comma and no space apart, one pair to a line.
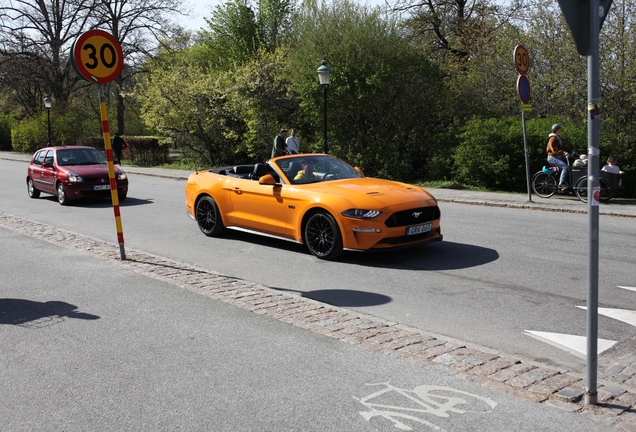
97,56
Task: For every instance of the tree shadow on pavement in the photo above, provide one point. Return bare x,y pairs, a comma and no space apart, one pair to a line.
30,313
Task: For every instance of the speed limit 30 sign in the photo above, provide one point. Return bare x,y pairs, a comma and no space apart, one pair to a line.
97,56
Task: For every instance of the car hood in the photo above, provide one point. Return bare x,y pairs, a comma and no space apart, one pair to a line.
386,192
90,170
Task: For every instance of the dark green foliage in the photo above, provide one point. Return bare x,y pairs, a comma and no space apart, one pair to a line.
6,122
491,153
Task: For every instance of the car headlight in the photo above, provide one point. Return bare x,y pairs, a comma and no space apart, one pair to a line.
361,214
121,175
74,178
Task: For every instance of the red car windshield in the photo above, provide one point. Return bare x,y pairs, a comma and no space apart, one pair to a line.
81,156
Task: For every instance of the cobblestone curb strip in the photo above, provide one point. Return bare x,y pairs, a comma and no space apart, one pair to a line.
523,379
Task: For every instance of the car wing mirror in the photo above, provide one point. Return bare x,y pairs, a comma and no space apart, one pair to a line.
47,165
267,179
359,171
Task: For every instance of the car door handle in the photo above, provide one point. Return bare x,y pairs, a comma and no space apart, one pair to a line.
237,190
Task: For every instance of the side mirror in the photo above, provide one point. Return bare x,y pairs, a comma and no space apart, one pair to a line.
267,179
47,165
359,171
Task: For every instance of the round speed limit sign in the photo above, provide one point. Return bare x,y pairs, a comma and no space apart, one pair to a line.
97,56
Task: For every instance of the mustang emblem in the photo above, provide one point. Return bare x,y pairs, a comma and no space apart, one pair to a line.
417,214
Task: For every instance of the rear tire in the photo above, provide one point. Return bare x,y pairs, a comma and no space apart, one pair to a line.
322,236
209,217
544,185
32,191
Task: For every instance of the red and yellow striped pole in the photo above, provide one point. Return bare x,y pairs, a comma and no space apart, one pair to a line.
111,170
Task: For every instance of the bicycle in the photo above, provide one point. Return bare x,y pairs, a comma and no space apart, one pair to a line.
545,182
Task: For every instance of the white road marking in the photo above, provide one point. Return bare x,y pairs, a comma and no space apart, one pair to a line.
627,288
394,404
625,315
576,345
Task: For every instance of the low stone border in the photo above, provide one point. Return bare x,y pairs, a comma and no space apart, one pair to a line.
516,377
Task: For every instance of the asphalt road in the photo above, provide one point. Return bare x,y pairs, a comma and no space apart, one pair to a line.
498,272
89,345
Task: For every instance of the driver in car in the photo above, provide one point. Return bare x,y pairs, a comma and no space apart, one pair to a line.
306,172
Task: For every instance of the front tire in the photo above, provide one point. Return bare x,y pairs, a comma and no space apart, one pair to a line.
581,189
33,192
209,217
322,236
62,198
544,185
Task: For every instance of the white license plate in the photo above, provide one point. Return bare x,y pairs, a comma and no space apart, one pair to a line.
419,229
101,187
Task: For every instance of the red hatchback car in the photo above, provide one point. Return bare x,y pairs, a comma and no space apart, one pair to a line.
72,173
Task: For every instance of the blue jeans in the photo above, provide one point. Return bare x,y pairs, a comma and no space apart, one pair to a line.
565,169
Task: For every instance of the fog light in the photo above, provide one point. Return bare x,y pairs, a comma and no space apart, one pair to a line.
366,230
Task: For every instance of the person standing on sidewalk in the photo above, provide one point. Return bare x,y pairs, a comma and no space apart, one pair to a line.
280,148
556,149
118,144
293,142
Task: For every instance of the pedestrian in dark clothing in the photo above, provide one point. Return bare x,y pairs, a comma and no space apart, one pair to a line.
280,148
118,145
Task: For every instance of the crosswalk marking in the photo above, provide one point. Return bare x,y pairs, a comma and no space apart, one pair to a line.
576,345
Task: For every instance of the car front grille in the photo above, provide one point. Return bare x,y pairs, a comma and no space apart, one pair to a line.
413,217
96,180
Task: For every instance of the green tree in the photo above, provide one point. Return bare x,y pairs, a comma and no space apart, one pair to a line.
385,99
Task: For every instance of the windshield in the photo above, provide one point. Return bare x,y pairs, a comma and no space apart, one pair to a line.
80,156
312,169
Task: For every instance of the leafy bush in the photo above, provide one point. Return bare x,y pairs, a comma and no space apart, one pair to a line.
491,155
29,135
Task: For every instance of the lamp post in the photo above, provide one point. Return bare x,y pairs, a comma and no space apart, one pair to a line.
323,75
48,103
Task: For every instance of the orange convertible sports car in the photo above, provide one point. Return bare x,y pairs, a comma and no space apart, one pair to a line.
316,200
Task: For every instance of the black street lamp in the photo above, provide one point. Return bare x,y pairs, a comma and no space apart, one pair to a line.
48,103
323,75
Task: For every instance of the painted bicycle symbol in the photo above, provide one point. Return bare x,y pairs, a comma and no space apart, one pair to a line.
396,404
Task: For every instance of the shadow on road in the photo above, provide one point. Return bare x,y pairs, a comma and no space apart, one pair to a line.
434,256
22,312
343,298
101,202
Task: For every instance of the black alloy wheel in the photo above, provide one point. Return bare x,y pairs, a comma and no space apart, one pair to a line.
323,237
208,217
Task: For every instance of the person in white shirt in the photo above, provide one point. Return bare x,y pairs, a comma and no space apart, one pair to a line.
611,166
293,142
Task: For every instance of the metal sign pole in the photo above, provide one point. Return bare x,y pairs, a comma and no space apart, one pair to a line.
111,170
593,139
525,148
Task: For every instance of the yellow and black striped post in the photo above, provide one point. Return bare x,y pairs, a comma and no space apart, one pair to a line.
111,170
